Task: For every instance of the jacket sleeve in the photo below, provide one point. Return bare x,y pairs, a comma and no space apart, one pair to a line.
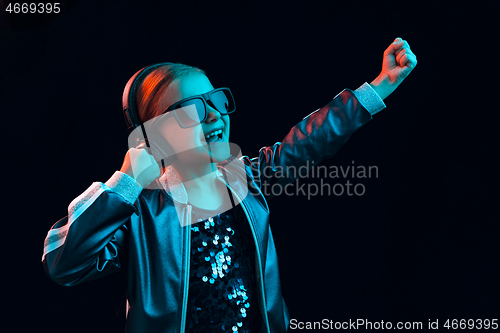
317,137
91,241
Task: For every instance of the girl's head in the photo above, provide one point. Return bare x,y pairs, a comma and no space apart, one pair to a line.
169,84
150,91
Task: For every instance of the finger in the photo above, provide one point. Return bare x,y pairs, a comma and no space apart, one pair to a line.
406,45
400,55
141,146
410,53
396,45
398,52
393,48
410,56
403,60
412,60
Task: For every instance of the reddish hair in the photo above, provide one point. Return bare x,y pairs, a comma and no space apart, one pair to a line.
148,96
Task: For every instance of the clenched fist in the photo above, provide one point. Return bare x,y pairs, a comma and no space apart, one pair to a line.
398,61
140,165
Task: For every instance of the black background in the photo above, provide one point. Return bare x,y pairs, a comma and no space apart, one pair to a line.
420,244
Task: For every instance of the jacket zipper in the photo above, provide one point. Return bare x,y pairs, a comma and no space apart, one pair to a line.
188,256
258,256
187,247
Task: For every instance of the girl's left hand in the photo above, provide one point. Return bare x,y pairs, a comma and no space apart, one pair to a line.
398,62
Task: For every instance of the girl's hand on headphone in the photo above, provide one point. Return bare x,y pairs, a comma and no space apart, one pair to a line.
140,165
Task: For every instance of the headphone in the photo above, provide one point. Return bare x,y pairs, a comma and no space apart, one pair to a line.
130,113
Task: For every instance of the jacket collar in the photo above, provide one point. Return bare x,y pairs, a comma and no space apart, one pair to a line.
174,187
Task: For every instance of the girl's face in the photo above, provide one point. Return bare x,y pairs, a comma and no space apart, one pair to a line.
190,144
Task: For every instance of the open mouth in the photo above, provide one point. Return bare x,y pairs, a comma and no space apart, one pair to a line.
214,135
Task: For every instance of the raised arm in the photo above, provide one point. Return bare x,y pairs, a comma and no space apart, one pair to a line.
321,134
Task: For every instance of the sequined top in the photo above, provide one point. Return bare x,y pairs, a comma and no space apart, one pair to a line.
222,289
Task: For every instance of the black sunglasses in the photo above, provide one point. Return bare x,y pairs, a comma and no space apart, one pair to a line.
192,111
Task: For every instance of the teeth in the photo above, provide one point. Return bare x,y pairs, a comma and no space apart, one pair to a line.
213,133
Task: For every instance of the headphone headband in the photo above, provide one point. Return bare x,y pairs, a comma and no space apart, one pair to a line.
129,95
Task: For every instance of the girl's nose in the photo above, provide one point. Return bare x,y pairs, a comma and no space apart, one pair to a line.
213,115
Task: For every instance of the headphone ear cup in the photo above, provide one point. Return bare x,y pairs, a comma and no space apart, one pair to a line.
158,153
155,150
162,154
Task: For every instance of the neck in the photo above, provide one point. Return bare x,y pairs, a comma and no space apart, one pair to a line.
196,176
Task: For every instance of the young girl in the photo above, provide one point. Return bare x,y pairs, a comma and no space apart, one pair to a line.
189,221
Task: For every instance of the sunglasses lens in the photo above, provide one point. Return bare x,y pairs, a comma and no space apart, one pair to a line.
223,101
190,113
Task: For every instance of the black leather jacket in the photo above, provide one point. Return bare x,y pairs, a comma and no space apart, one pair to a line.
118,225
